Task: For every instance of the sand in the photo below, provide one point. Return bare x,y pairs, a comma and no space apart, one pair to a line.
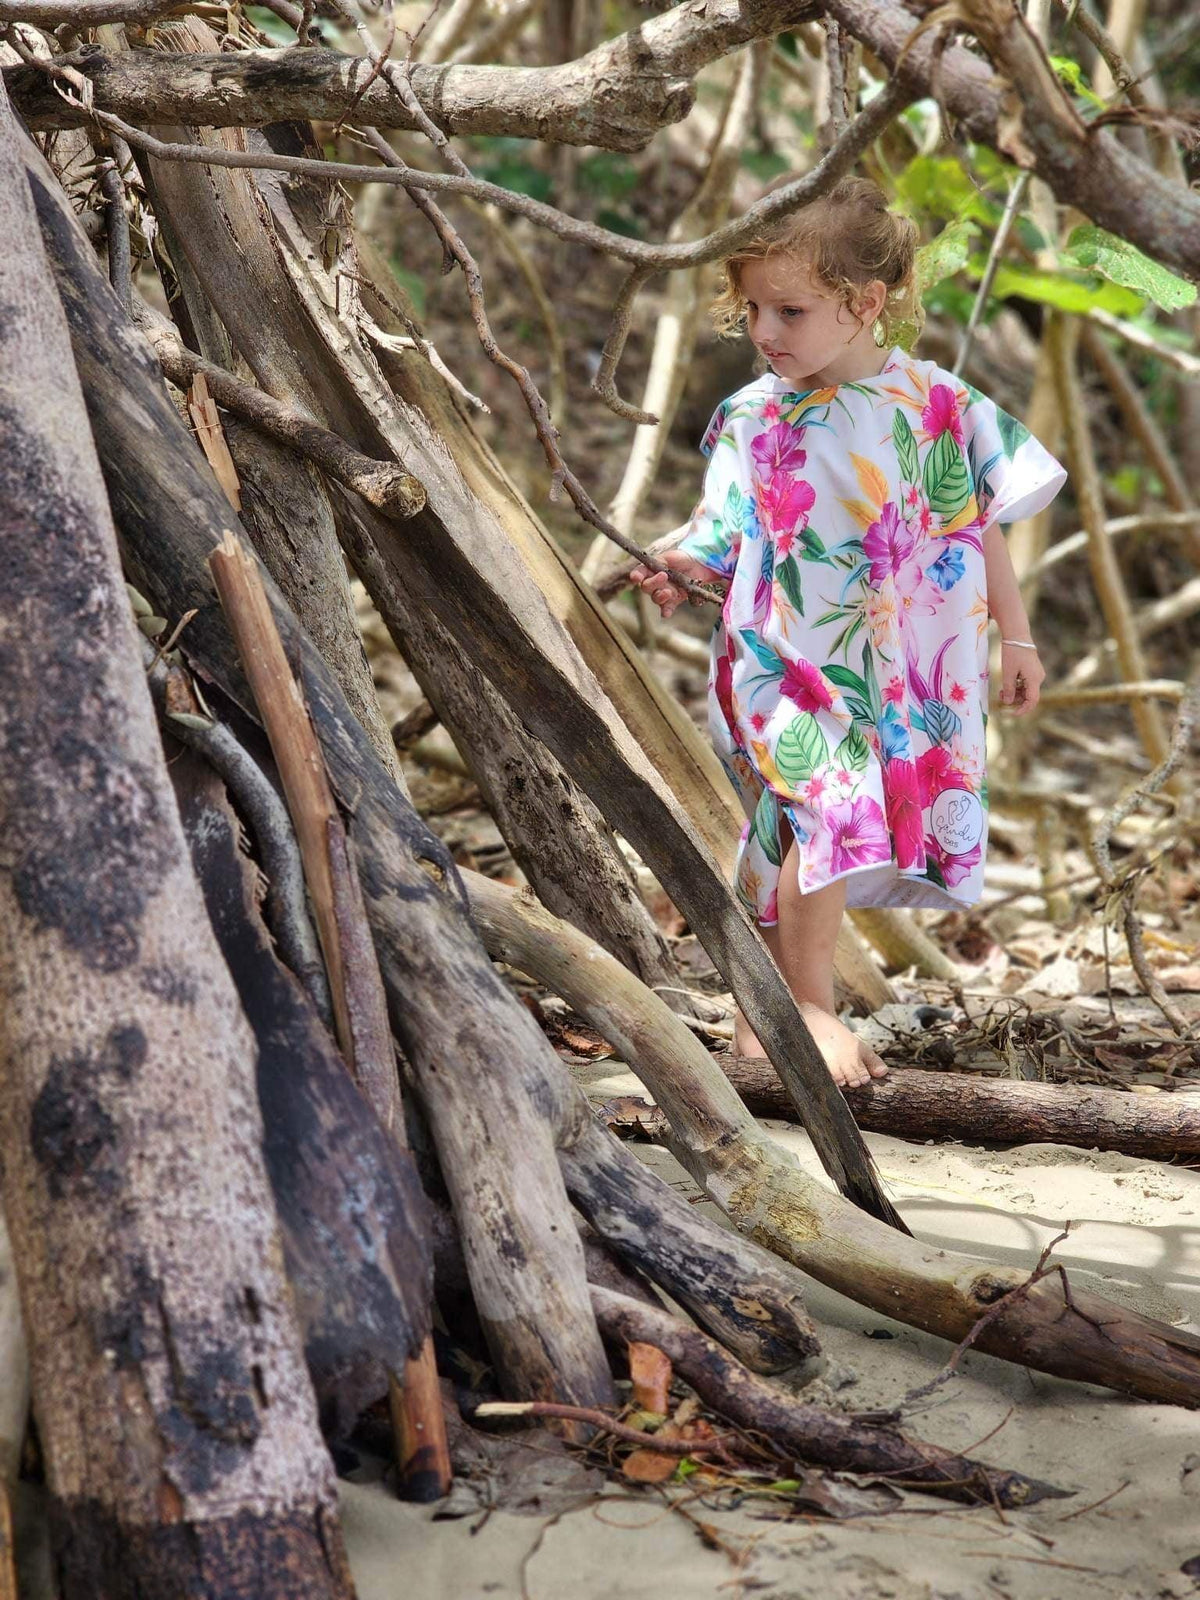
1136,1237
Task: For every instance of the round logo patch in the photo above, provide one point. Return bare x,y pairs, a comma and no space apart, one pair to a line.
957,820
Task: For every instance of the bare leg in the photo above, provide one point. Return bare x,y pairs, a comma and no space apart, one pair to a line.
803,943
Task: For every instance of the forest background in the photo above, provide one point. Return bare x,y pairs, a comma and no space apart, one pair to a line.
444,377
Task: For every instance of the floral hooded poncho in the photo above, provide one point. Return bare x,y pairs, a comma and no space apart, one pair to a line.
848,691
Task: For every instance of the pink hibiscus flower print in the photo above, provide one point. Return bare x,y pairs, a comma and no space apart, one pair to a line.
902,796
805,684
858,835
779,449
942,415
953,868
893,691
887,543
784,503
938,771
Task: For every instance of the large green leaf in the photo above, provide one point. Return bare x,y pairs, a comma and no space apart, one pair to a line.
787,573
944,256
765,827
854,752
846,678
945,478
1097,250
906,448
1014,281
801,749
1013,432
941,723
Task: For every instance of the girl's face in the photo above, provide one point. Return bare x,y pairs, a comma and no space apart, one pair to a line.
806,332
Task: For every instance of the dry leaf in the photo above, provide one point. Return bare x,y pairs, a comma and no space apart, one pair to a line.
649,1466
651,1374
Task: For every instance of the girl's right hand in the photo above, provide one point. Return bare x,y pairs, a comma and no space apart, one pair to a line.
665,594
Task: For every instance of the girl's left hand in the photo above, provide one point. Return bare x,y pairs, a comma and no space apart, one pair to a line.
1022,676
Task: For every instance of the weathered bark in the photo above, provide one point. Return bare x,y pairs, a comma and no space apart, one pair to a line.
768,1196
453,560
816,1437
526,1263
749,1299
284,505
175,1415
558,842
615,97
553,831
912,1104
352,1209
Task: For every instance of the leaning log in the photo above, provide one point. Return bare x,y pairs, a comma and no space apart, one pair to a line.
176,1417
496,1151
1046,1325
350,1205
964,1105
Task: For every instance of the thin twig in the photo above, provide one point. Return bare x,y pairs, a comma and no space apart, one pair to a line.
592,1418
1012,205
1040,1271
120,257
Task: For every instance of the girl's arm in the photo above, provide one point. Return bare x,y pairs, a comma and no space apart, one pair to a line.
1008,608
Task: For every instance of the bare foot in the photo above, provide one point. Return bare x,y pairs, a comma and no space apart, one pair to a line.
849,1058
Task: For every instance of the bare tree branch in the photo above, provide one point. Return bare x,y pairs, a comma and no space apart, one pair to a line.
615,97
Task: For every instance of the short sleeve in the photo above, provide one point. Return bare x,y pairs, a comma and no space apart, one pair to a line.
1014,476
714,533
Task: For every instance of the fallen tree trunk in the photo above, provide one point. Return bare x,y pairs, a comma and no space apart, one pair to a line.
497,1153
966,1106
1047,1326
176,1417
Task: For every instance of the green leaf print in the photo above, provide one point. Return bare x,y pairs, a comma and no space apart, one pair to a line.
765,657
853,753
765,828
906,448
945,479
941,723
788,574
734,507
846,678
801,749
1013,433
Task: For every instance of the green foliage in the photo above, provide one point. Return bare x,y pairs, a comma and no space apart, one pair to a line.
506,161
1067,293
1073,76
412,284
937,186
274,27
1096,250
944,256
607,175
764,164
906,447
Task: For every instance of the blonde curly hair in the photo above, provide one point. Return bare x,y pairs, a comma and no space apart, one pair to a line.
847,239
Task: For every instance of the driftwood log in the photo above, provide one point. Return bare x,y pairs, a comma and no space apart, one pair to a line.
1047,1326
176,1417
966,1106
526,1262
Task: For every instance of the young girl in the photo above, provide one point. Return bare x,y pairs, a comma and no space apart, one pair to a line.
852,503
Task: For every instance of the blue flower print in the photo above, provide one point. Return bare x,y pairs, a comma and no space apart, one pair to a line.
947,569
893,736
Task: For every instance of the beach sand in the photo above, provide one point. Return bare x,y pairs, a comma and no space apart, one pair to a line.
1135,1237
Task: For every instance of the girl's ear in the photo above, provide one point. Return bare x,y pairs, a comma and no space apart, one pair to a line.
872,300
